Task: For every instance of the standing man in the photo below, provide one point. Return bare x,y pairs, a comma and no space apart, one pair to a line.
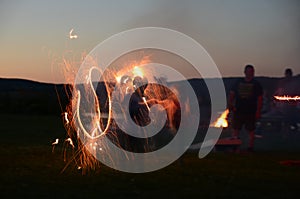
245,100
139,113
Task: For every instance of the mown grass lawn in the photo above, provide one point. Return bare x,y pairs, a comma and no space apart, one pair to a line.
29,168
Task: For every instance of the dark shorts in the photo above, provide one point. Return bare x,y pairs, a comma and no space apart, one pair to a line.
240,119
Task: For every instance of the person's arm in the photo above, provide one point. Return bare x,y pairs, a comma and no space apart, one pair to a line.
232,96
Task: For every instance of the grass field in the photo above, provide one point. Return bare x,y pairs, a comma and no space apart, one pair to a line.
29,168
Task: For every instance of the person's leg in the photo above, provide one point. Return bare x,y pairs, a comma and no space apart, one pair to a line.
251,140
235,133
237,125
250,127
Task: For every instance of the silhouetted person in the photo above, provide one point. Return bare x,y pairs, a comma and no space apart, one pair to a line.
288,86
245,101
284,87
139,113
288,73
137,107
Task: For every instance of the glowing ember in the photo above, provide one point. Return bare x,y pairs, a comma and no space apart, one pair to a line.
56,142
66,118
69,140
71,36
287,98
222,120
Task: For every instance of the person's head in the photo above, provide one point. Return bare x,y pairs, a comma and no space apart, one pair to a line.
140,84
288,73
249,72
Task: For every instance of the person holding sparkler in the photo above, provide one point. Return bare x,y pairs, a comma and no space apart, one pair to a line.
139,109
139,112
287,109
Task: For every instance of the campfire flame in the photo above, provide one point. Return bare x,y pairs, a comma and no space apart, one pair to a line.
221,122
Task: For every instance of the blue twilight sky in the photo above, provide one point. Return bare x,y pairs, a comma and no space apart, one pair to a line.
34,34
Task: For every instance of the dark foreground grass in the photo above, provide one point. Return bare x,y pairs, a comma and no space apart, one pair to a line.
30,169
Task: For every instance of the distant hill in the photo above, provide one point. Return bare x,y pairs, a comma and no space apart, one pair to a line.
29,97
19,96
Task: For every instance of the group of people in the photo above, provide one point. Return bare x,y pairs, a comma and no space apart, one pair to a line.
245,102
246,99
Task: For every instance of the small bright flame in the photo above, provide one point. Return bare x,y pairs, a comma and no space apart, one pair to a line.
118,78
222,121
137,71
287,98
71,36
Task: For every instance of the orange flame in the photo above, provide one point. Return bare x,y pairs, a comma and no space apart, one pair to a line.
221,122
287,98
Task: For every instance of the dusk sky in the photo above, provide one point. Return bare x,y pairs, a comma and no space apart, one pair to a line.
34,34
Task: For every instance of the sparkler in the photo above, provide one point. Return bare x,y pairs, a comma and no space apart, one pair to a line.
145,102
287,98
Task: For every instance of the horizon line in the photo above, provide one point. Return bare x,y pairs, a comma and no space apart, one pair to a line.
66,83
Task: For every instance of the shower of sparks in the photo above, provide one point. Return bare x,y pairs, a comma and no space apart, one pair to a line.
71,35
101,120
